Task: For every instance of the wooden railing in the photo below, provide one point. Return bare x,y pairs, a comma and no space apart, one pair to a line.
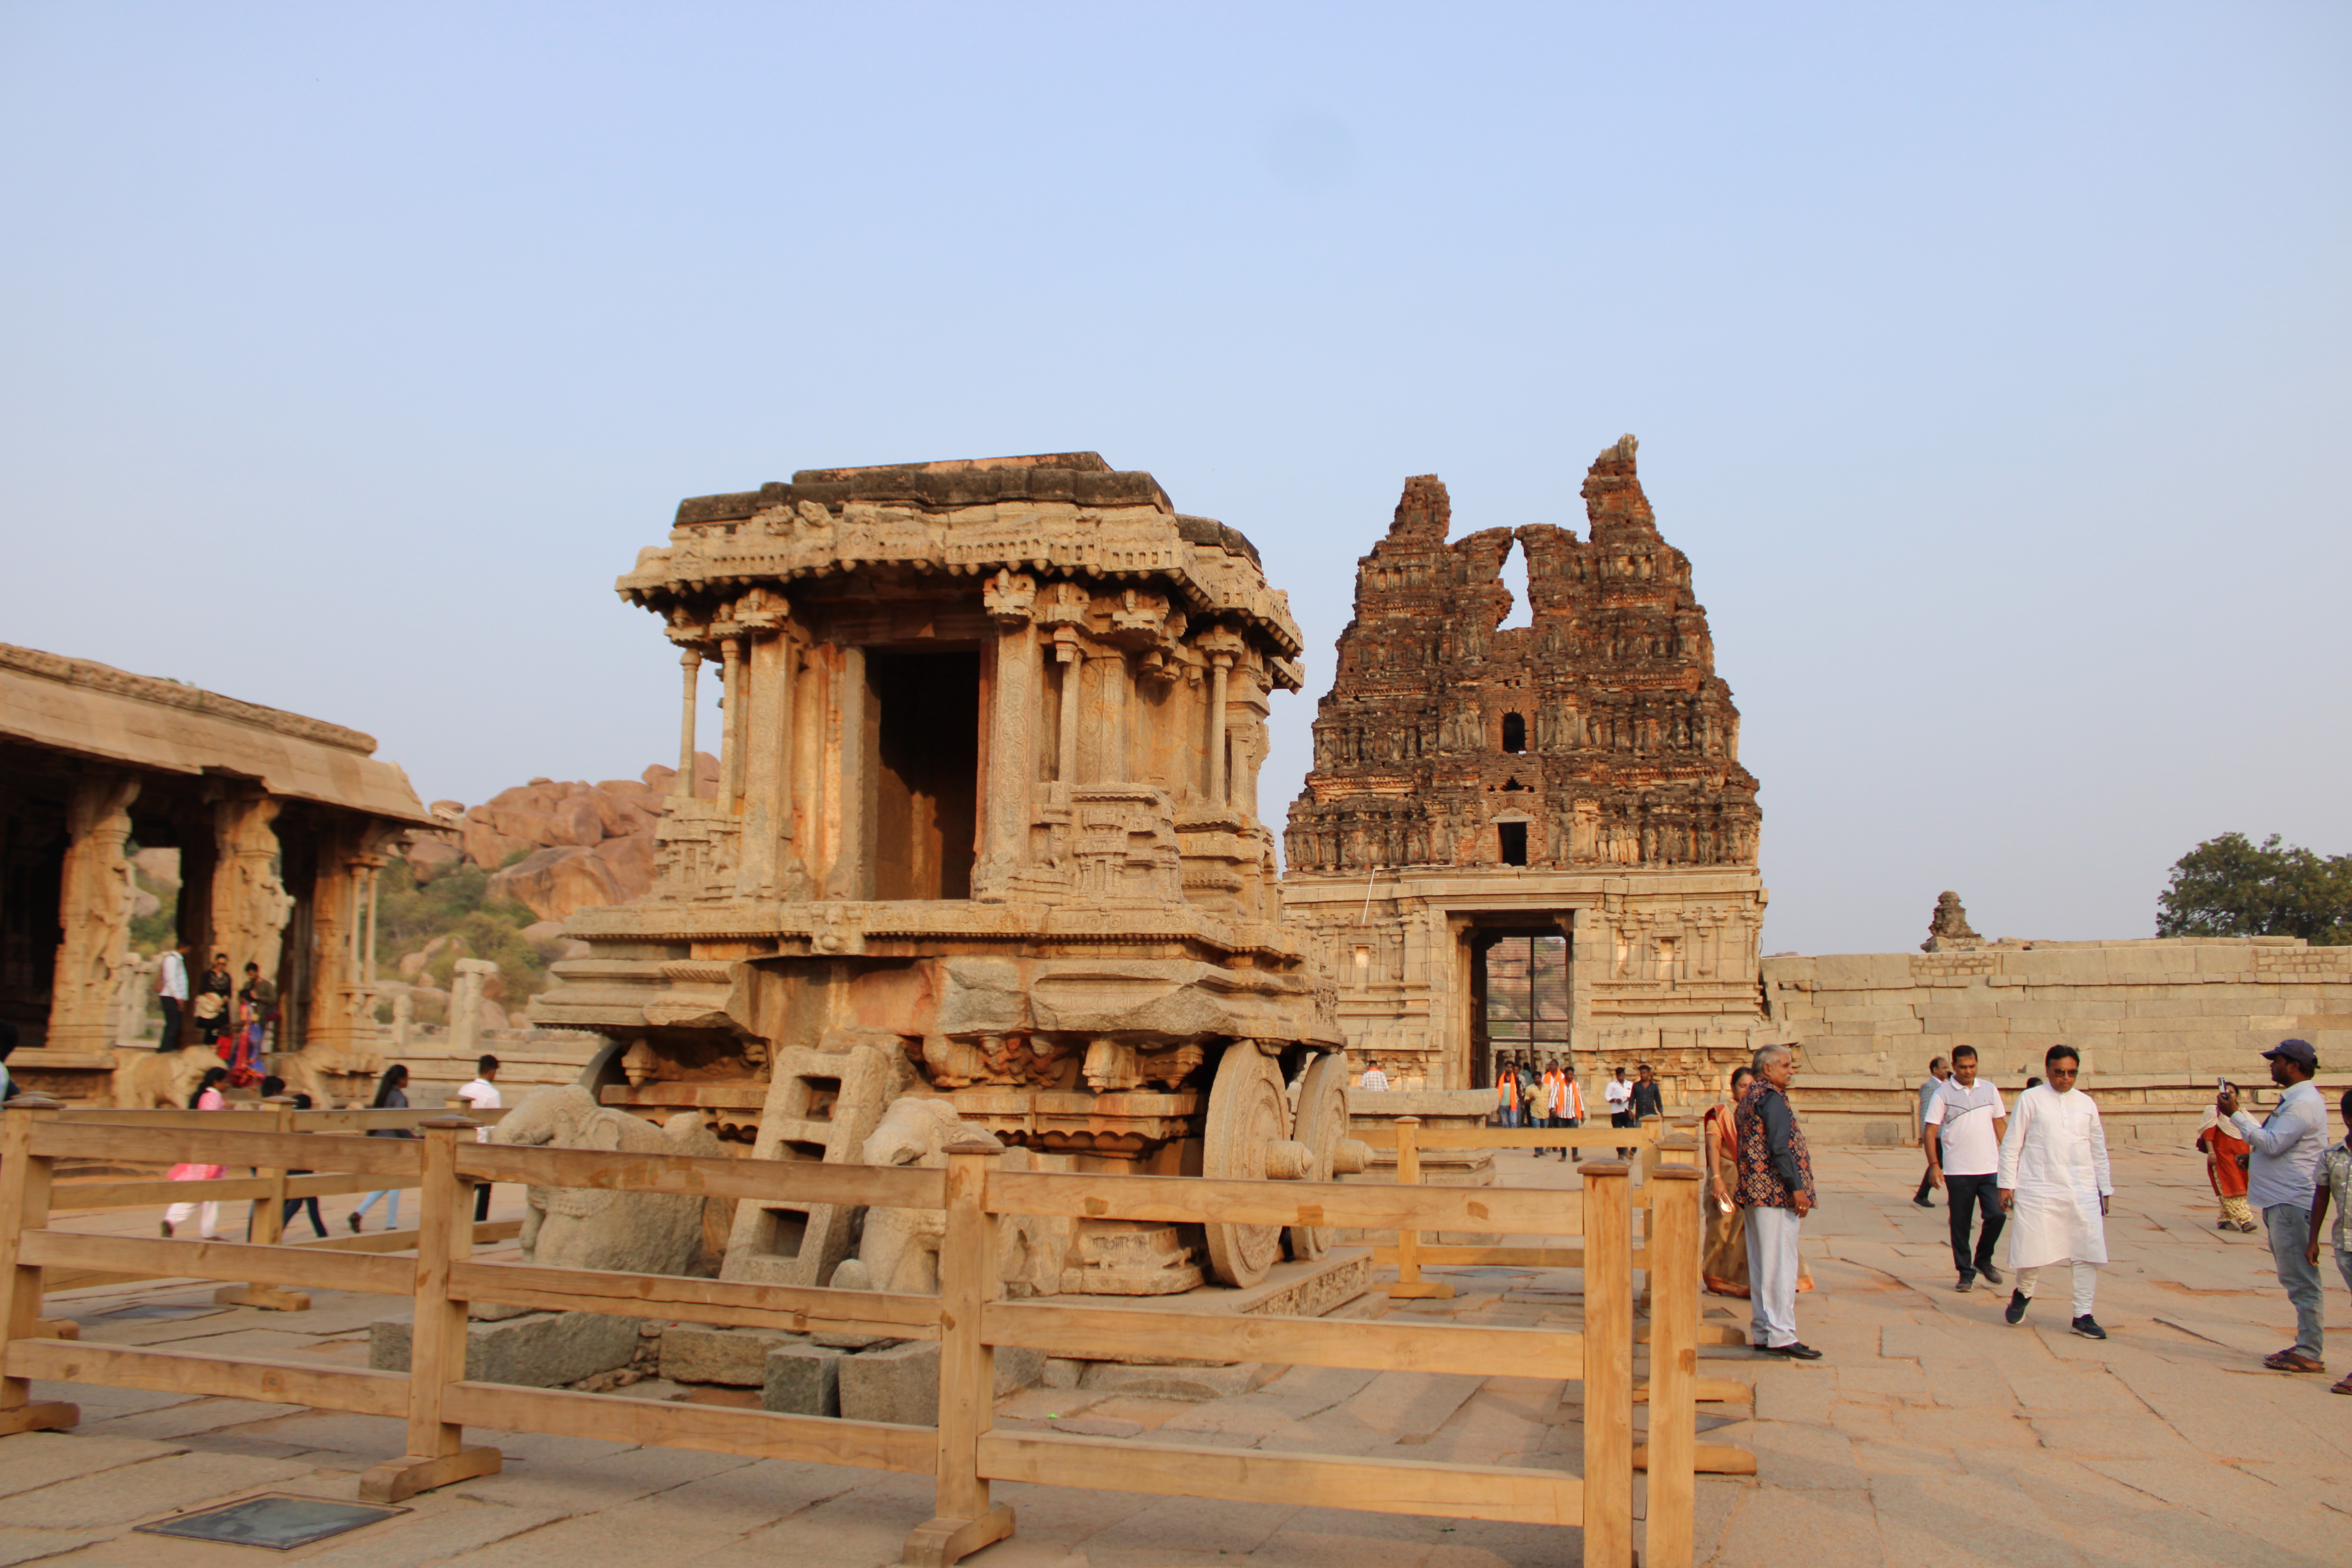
269,1190
963,1454
1664,1152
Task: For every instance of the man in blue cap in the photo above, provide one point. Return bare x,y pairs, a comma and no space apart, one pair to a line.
2280,1175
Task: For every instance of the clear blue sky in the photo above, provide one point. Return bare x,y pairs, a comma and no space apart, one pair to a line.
1989,360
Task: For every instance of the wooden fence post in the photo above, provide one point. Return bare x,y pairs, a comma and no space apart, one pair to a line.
1409,1285
1608,1367
1673,1366
437,1342
964,1521
268,1229
23,1205
1679,1146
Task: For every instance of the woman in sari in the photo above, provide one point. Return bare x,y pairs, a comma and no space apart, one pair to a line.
1723,1264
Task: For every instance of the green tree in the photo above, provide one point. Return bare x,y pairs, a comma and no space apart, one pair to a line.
2230,886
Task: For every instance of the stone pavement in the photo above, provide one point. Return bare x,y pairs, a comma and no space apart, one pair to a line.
1931,1434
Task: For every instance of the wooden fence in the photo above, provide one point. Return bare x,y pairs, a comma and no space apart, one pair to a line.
269,1190
1665,1153
963,1454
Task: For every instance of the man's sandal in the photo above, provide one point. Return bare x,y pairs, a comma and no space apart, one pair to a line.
2342,1386
2293,1361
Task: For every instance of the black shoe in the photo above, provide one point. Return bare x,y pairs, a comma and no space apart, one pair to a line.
1796,1350
1925,1203
1968,1283
2088,1327
1992,1275
2016,1313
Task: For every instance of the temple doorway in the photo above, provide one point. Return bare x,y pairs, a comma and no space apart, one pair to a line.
1518,998
927,782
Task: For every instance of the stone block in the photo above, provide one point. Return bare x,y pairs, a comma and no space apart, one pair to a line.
1017,1367
1200,1383
802,1379
691,1352
1062,1372
542,1349
900,1384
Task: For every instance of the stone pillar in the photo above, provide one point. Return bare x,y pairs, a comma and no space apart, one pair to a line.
731,752
1065,763
1013,702
1219,665
849,877
250,905
1588,955
466,1007
691,662
763,734
370,869
134,983
94,910
1108,710
404,1022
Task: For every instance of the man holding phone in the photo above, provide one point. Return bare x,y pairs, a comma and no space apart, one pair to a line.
1965,1122
2280,1178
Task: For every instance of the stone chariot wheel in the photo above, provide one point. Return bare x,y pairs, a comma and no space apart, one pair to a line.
1322,1128
1249,1113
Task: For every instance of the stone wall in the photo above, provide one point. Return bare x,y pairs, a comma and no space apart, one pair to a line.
2156,1022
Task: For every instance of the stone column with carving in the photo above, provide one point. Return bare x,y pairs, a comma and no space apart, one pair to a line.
249,905
94,910
690,661
1221,665
730,732
466,1005
1013,705
763,735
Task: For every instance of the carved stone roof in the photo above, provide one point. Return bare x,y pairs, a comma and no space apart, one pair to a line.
1067,514
1602,725
99,711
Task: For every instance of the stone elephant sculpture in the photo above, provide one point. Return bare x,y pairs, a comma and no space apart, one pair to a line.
898,1249
147,1080
590,1227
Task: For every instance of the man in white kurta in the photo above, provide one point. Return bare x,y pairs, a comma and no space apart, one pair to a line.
2055,1184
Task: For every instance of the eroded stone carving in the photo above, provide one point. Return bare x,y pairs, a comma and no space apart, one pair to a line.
590,1227
1947,928
898,1249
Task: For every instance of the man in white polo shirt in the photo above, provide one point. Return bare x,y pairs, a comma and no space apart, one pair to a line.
482,1094
1965,1121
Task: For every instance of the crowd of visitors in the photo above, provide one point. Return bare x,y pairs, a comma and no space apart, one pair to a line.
234,1020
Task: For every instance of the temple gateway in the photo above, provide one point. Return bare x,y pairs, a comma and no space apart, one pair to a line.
1533,840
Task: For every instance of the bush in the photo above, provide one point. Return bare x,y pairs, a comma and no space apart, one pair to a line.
458,904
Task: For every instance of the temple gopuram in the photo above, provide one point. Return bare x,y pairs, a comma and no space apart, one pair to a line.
1536,838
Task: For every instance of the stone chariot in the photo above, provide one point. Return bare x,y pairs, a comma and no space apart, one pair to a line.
984,832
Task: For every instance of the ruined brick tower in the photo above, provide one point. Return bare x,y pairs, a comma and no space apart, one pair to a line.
1537,838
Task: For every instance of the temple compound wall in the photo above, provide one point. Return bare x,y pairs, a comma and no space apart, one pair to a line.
1536,838
2155,1023
282,823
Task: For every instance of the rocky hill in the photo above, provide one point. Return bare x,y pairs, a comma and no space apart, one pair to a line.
559,846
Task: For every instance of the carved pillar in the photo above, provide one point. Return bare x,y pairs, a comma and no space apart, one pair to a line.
94,910
1219,665
691,662
850,876
1586,939
334,943
466,1005
730,758
763,735
1066,767
1112,693
1013,702
249,904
